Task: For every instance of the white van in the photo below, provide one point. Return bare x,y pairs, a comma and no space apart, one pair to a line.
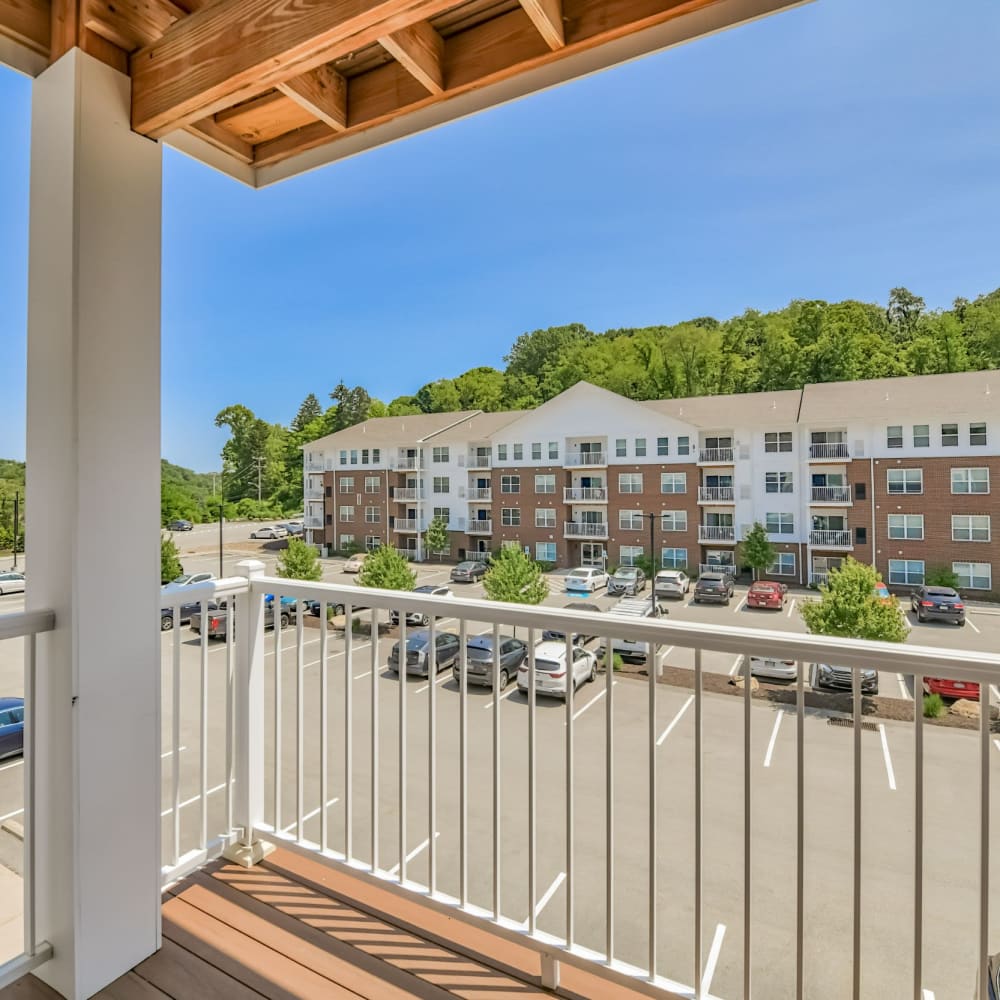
640,608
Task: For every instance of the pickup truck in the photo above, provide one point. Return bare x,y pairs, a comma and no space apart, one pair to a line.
218,620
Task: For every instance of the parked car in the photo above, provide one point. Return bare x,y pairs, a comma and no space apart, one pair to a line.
579,639
479,660
294,528
952,689
550,669
417,617
187,612
671,583
715,587
627,581
218,621
187,580
274,531
586,578
766,594
445,653
11,727
469,571
179,525
770,666
639,608
315,607
827,675
355,562
11,583
939,603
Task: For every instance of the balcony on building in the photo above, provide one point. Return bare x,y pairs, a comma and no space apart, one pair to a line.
716,494
716,449
721,533
479,526
410,524
479,458
401,494
834,495
480,493
313,493
828,446
313,521
827,538
581,453
407,463
585,494
314,466
585,529
726,568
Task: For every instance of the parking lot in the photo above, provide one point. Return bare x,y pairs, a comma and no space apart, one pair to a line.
951,813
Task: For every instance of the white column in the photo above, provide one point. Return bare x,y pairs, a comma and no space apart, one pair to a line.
93,502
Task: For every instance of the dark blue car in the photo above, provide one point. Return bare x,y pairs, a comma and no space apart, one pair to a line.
11,727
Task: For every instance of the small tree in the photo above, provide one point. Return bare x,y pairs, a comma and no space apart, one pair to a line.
756,551
515,578
849,607
299,562
941,576
436,539
387,569
170,563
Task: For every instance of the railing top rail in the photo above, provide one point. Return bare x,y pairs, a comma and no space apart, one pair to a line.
891,657
21,623
208,590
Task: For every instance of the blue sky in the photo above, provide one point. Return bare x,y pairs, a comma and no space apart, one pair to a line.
832,151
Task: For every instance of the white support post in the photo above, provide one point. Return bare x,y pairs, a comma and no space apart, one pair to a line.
248,721
93,503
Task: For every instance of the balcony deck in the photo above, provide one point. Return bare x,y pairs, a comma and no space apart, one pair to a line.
297,927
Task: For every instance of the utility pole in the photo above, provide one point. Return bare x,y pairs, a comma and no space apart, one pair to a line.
17,509
260,465
652,561
222,500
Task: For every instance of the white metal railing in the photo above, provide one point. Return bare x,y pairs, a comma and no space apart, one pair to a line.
716,533
27,625
408,493
407,552
726,568
476,526
409,524
715,455
479,461
716,494
831,494
480,493
585,458
312,521
477,556
819,577
585,494
406,463
831,539
835,449
585,529
314,467
313,493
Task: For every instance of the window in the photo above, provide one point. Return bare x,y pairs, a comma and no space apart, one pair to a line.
673,482
630,520
970,527
373,515
376,456
545,517
674,520
343,458
894,436
329,491
444,513
536,451
970,480
545,552
780,524
860,536
684,445
371,484
860,489
783,565
347,484
346,540
977,433
630,482
640,447
440,453
949,435
372,542
775,441
510,484
511,516
442,484
673,558
518,452
347,513
629,554
329,518
905,480
545,483
905,526
973,576
921,435
663,446
906,571
778,482
553,449
354,456
620,448
364,456
501,453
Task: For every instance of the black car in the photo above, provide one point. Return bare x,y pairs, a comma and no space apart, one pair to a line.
479,660
11,727
468,571
940,603
187,612
179,525
715,587
627,581
579,639
218,620
446,652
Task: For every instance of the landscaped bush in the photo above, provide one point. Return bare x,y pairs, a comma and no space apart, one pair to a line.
933,706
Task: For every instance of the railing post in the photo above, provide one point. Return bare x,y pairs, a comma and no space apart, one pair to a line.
248,720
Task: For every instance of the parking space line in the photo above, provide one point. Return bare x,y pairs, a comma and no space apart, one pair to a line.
996,743
736,665
16,812
394,870
888,759
903,689
597,697
192,800
547,897
167,753
358,677
995,691
713,959
309,816
791,607
443,679
972,624
676,719
739,607
774,736
928,995
506,694
18,763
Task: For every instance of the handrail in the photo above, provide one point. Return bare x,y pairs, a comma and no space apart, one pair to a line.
17,624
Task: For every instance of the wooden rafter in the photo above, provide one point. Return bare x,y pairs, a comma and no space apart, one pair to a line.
130,24
419,49
223,139
322,92
27,22
547,17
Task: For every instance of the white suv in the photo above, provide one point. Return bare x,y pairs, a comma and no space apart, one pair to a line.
586,578
550,669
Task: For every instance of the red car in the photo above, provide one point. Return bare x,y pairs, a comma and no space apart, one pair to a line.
766,594
952,689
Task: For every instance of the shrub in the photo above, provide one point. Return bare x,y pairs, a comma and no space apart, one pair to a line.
933,706
617,661
941,576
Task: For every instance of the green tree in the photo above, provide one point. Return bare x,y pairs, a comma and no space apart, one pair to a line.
514,578
246,446
309,411
352,405
437,539
941,576
387,569
404,406
904,312
299,562
756,551
849,607
170,562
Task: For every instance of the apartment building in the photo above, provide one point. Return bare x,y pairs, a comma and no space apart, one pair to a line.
896,472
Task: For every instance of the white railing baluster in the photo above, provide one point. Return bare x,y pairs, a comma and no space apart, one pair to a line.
497,768
375,805
348,732
175,728
856,904
230,662
432,764
203,736
747,828
401,761
278,650
28,754
652,845
324,735
800,829
532,790
299,714
918,838
698,858
463,764
609,800
984,838
570,800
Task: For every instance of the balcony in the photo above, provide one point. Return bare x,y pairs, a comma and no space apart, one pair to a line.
585,460
715,456
409,524
312,521
835,451
407,493
826,539
585,529
830,495
479,527
313,467
727,568
313,493
724,533
716,494
818,577
585,494
407,463
479,460
480,493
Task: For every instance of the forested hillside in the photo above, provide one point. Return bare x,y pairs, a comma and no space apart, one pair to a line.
11,483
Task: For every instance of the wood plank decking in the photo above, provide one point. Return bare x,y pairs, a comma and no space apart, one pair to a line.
294,927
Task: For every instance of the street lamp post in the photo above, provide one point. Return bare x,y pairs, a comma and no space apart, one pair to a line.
652,561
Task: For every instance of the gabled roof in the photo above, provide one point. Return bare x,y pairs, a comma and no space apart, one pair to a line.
383,432
737,409
480,427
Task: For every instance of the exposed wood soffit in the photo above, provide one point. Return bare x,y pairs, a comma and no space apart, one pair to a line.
222,139
27,22
130,24
547,17
419,49
322,92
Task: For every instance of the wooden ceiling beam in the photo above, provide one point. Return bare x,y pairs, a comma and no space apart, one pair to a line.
130,24
233,49
323,93
28,23
223,139
419,49
547,17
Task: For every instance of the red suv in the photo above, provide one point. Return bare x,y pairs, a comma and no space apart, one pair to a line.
766,594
